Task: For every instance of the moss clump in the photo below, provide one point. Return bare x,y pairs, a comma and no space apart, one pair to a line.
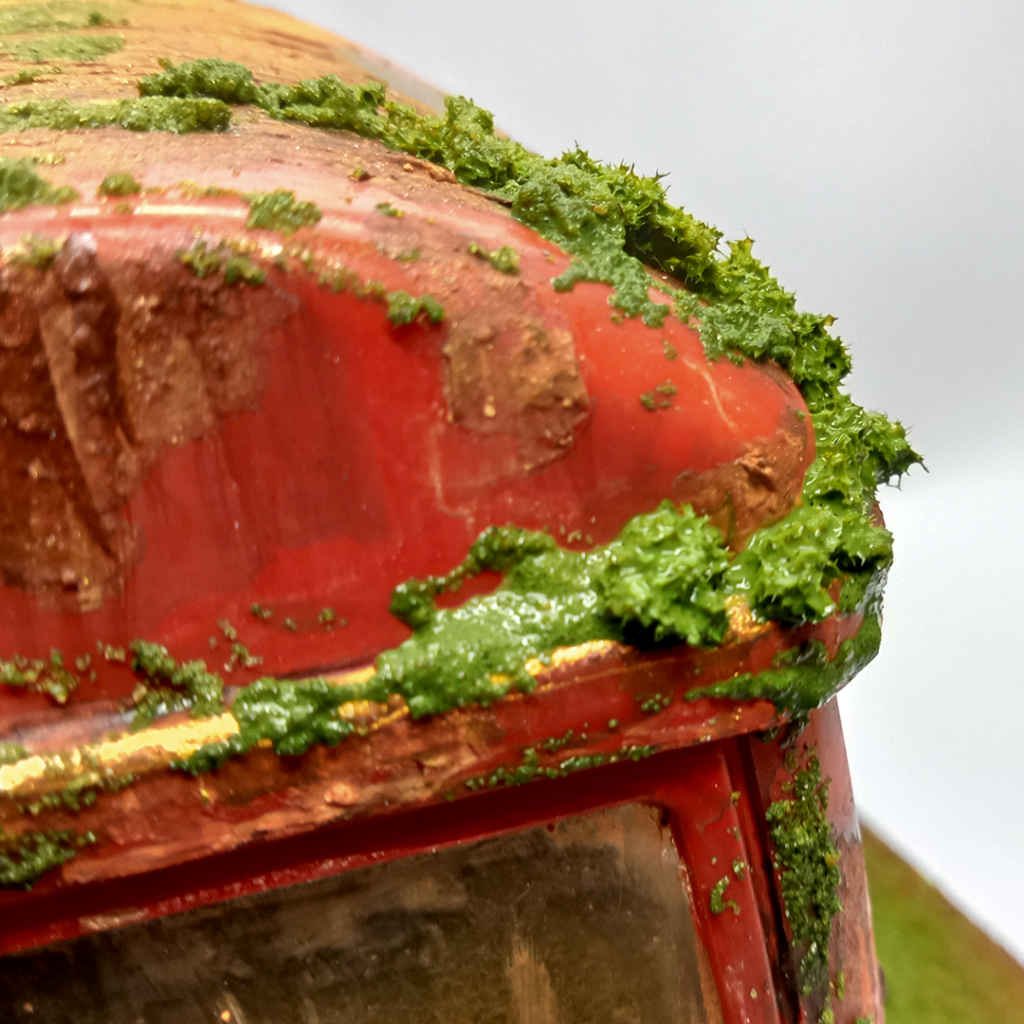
121,184
218,79
505,259
51,676
26,76
803,677
717,901
808,861
165,685
81,49
280,211
36,251
11,753
237,267
24,859
21,186
403,308
154,114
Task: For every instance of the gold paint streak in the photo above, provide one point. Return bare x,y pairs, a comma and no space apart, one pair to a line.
742,623
156,747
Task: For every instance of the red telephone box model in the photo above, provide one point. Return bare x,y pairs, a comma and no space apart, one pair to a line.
427,568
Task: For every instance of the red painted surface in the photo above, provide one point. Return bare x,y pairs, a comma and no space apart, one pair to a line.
349,479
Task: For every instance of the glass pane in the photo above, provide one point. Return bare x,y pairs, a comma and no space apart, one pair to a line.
581,922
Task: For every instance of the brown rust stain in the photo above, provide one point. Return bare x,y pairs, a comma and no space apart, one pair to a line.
760,487
102,364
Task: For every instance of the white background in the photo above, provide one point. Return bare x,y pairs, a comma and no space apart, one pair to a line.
874,150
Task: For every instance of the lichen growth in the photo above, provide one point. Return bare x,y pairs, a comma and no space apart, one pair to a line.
119,184
280,211
808,861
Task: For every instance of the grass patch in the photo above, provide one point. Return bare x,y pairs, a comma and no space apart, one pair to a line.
939,967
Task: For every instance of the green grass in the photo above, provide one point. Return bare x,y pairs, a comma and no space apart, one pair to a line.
939,968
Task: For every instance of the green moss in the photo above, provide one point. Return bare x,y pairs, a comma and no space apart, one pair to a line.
280,211
194,191
25,858
505,259
208,77
26,76
120,184
237,268
52,16
21,186
804,677
403,308
51,676
81,49
151,114
662,579
11,753
292,714
808,860
35,250
387,210
531,770
717,902
165,685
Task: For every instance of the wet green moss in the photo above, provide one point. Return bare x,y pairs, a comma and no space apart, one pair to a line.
165,685
804,677
120,184
80,49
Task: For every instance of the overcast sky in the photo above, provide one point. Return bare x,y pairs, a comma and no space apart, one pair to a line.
874,150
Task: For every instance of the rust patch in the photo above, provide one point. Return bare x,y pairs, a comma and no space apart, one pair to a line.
102,363
506,373
760,487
